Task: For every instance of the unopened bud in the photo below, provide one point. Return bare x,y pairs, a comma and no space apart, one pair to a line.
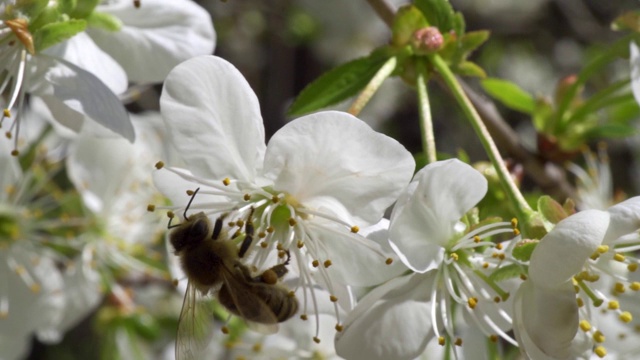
427,40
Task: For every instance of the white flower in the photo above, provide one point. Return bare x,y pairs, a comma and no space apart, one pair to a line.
590,253
320,178
594,188
451,267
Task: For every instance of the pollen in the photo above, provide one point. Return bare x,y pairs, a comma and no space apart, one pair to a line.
159,165
151,208
454,256
389,261
355,229
226,181
327,263
600,351
472,302
626,317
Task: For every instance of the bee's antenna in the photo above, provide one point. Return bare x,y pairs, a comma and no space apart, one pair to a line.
190,201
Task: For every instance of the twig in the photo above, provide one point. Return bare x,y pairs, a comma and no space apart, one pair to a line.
385,11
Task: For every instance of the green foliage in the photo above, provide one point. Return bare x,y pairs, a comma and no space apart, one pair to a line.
338,84
439,13
551,210
53,33
627,21
104,21
84,8
523,250
407,21
506,272
510,95
29,8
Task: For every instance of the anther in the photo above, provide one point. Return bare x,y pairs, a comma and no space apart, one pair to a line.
292,222
240,223
523,277
6,113
598,336
315,263
514,223
389,261
264,244
499,246
485,265
476,239
159,165
355,229
626,317
497,299
602,249
618,257
316,340
493,338
291,293
151,208
275,199
454,256
247,197
632,267
226,181
613,305
339,328
333,298
600,351
15,152
635,286
262,234
174,282
516,232
225,330
300,244
281,254
271,229
327,263
472,301
458,342
441,340
170,214
619,287
279,247
137,3
304,317
257,347
580,302
8,135
585,325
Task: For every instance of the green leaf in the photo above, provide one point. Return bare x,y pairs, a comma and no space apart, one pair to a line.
66,6
57,32
468,68
627,21
506,272
473,40
438,13
30,8
523,250
510,95
610,130
407,21
84,8
337,84
104,21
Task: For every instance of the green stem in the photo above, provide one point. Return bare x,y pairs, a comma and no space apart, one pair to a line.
374,84
523,209
426,121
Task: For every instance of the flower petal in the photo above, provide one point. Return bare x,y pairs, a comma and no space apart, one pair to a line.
625,219
213,118
426,214
391,322
155,37
546,321
333,156
562,252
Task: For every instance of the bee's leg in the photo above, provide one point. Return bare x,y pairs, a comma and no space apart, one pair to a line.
217,228
271,275
248,231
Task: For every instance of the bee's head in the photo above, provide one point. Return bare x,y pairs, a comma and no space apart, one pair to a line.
191,231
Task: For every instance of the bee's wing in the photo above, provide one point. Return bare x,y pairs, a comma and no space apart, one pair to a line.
256,313
195,326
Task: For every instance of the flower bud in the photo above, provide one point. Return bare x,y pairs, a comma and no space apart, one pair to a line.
427,40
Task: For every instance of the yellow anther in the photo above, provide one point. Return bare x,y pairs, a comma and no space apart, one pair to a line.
225,330
494,338
585,325
275,199
389,261
613,305
355,229
327,263
523,277
441,340
315,263
271,229
514,222
619,287
476,239
632,267
247,197
226,181
281,254
316,340
6,113
292,222
300,244
279,247
151,208
499,246
580,302
333,298
304,317
635,286
602,249
454,256
159,165
15,152
600,351
472,301
598,336
458,342
170,214
626,317
264,244
20,28
257,347
190,192
262,234
516,232
240,223
501,256
339,328
485,265
619,257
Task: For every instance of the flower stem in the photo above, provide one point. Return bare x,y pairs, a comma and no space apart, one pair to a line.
373,86
522,207
426,121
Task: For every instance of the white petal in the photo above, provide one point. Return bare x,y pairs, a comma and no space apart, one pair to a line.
426,214
625,219
562,252
84,93
81,51
213,118
333,155
634,62
156,37
545,321
391,322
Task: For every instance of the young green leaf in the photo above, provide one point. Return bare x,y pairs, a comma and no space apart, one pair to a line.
408,19
337,84
439,13
609,131
468,68
54,33
84,8
104,21
510,95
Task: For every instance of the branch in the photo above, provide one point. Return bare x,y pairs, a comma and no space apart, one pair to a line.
385,11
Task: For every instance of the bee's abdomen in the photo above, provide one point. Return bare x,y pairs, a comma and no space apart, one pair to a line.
283,304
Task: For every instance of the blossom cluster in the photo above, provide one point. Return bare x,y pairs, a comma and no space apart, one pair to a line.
384,259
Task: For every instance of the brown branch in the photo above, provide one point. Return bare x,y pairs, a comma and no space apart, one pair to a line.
385,11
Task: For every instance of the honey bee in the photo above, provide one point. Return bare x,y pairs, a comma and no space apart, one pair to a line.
211,261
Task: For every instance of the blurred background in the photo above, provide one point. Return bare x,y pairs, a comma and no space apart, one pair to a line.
282,45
